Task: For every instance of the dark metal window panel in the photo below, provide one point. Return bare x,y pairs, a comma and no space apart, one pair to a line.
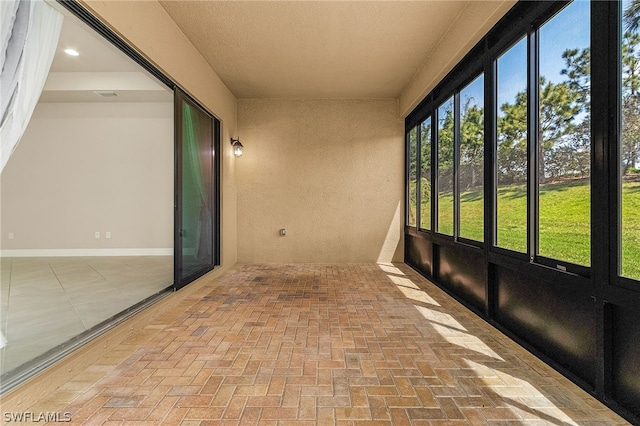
418,176
408,155
434,174
532,306
493,246
469,242
614,134
183,277
434,170
458,153
407,166
419,224
436,164
456,164
626,358
462,74
563,266
533,139
601,281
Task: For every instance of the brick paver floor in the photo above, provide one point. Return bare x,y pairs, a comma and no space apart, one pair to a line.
301,344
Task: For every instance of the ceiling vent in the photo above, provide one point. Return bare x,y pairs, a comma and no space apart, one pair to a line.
106,93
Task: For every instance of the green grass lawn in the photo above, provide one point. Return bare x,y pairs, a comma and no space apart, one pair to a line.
564,221
631,230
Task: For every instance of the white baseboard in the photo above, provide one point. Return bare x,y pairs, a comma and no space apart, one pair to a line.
87,252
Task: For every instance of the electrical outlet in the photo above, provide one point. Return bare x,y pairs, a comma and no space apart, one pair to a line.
97,234
107,234
11,235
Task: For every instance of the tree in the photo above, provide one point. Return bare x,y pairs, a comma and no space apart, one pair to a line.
425,149
413,142
445,148
578,71
630,64
471,144
425,173
632,16
558,108
512,141
630,138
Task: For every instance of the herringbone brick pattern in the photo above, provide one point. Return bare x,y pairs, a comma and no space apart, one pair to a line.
322,344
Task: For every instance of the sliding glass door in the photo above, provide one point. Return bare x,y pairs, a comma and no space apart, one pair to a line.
197,208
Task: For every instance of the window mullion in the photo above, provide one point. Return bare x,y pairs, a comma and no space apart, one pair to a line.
418,176
435,169
533,143
456,165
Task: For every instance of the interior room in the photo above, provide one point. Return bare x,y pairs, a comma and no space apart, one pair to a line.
431,219
87,200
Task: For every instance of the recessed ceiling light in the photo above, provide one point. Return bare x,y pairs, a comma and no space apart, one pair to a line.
71,52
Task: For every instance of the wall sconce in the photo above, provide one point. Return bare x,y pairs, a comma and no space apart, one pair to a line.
237,147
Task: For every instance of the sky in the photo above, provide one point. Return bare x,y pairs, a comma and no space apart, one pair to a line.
568,29
475,91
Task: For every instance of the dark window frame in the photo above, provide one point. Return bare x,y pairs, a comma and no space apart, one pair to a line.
482,59
181,279
419,221
601,282
436,166
407,189
615,19
457,205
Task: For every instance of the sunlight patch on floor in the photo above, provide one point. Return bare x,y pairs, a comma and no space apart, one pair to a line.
521,397
406,282
453,332
516,391
417,295
390,269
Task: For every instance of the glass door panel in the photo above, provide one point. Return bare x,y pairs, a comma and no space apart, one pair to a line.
195,207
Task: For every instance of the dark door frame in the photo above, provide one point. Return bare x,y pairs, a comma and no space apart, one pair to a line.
181,280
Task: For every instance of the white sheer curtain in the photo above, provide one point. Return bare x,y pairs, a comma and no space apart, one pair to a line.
29,32
29,37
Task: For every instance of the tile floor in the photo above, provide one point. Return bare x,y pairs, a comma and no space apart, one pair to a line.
46,301
356,344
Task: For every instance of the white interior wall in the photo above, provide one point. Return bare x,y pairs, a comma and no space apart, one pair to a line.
83,168
147,27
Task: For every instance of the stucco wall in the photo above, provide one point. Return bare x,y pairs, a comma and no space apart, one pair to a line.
146,26
328,171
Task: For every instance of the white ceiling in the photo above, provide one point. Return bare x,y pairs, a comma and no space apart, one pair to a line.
319,49
99,67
